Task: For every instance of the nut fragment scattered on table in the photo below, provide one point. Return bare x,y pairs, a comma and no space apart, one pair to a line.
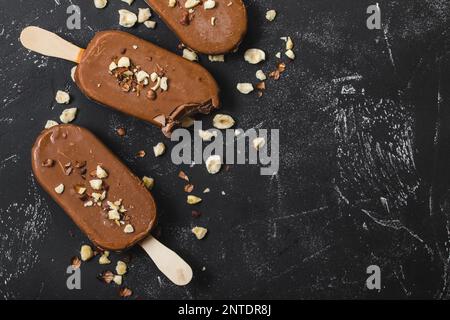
125,292
59,189
148,182
159,149
62,97
199,232
259,143
254,56
223,121
271,15
191,199
86,252
104,258
127,18
245,88
121,268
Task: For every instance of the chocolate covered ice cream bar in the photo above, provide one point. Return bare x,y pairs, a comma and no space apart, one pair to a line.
101,195
210,27
133,76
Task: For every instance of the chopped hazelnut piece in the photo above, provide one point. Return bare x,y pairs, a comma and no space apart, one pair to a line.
289,43
214,164
260,75
128,229
68,115
223,121
207,190
172,3
183,176
278,55
62,97
101,173
270,15
106,276
121,268
89,203
96,184
121,132
117,280
209,4
141,76
290,54
217,58
258,143
190,55
86,252
187,122
128,1
124,62
59,189
207,135
189,4
148,182
188,188
144,14
113,214
140,154
50,123
48,163
125,292
245,88
150,24
159,149
199,232
100,4
193,199
127,18
254,56
164,85
75,262
213,21
80,189
104,258
72,73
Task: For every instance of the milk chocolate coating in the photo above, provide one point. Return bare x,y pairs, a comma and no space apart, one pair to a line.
199,34
70,144
191,88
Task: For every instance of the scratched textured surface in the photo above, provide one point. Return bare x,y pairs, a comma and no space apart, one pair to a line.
364,179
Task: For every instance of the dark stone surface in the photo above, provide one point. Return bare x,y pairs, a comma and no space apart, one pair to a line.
363,178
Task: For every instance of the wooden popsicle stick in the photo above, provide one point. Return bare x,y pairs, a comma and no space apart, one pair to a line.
49,44
167,261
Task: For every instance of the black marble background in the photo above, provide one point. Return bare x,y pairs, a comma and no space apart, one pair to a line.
364,177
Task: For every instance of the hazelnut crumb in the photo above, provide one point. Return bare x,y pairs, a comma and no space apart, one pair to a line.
199,232
191,199
121,132
121,268
86,252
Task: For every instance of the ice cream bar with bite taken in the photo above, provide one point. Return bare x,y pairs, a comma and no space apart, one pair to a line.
133,76
100,194
210,27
